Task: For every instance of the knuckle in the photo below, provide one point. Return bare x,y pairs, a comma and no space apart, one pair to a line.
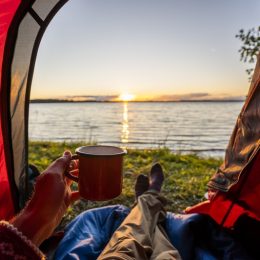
61,160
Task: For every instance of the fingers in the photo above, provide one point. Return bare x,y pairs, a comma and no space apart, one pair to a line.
74,164
73,169
75,173
74,196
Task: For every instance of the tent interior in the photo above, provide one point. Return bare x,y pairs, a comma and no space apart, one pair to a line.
23,24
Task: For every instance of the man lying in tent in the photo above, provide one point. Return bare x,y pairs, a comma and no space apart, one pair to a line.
140,234
210,230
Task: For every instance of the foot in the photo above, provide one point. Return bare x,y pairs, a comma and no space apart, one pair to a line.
156,177
141,185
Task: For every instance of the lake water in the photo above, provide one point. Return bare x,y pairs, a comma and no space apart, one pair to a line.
201,127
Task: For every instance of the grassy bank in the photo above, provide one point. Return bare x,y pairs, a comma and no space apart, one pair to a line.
186,176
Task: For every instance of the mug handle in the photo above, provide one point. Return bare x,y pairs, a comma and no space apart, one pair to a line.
68,174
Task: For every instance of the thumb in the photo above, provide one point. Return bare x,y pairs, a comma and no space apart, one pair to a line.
61,164
67,154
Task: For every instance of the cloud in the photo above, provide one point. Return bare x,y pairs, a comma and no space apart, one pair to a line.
92,98
200,97
190,96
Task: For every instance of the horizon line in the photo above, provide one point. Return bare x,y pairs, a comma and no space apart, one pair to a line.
131,101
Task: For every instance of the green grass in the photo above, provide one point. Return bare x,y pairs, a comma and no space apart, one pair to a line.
186,176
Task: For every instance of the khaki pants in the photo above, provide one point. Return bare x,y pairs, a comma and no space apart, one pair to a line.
141,236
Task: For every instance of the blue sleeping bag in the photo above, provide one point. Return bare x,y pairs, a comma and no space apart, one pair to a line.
195,236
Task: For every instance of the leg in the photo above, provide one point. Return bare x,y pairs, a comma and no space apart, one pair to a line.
162,247
135,238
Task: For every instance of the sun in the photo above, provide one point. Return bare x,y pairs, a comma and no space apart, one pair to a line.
126,97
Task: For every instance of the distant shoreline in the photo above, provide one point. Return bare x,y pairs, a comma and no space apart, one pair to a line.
33,101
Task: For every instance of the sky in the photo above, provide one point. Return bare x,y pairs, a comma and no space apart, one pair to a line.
148,48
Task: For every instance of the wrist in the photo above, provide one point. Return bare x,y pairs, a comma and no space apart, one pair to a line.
30,226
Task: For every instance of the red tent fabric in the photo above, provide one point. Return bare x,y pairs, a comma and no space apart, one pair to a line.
22,25
8,9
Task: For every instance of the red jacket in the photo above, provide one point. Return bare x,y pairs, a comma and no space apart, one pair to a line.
241,199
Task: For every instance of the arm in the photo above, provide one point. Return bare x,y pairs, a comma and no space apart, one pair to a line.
51,198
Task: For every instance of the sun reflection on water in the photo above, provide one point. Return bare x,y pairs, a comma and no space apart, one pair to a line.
125,126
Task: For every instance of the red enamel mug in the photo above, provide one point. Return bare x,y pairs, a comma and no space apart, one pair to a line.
100,172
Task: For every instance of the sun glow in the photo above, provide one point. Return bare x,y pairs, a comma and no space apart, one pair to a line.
126,97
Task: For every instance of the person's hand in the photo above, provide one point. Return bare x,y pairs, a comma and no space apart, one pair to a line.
49,202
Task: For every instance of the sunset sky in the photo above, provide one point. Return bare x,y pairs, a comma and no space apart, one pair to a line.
145,48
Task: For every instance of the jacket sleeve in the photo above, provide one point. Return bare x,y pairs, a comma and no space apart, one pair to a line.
14,245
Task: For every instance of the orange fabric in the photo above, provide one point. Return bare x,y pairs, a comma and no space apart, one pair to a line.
244,141
245,195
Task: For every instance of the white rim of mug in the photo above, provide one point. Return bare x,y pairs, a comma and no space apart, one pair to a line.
78,152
